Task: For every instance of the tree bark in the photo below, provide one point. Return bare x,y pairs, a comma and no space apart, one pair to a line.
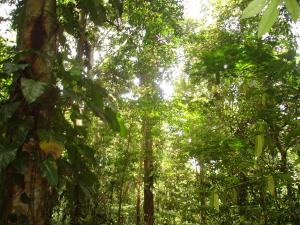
138,205
242,194
27,201
148,172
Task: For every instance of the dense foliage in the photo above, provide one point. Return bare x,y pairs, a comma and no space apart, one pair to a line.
87,135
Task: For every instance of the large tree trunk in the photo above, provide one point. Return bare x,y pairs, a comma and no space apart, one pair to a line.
148,172
26,201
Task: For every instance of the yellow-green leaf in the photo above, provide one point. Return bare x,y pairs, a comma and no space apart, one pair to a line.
293,9
253,8
271,185
259,145
214,201
269,17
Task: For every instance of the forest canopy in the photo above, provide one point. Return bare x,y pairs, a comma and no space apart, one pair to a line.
165,112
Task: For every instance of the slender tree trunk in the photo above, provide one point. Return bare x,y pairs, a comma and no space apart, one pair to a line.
148,172
201,179
27,200
138,193
121,190
242,194
138,205
120,202
76,207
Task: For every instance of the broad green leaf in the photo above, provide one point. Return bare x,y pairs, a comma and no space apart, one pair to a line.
214,201
271,185
7,110
123,130
12,67
85,190
235,196
259,145
6,156
297,162
269,17
49,171
87,152
32,89
111,118
76,71
293,9
95,9
253,8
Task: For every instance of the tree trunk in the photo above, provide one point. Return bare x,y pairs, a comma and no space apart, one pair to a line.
242,194
200,176
27,201
148,172
138,205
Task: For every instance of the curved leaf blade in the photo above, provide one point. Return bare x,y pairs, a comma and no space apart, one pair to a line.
214,201
49,171
269,17
253,8
271,185
259,145
293,8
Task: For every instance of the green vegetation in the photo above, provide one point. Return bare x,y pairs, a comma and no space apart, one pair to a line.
88,136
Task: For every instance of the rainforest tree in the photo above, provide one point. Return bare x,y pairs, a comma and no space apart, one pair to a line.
88,136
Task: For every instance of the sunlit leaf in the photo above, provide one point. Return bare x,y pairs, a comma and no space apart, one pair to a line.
32,89
269,17
293,8
271,185
214,201
51,147
253,8
123,130
259,145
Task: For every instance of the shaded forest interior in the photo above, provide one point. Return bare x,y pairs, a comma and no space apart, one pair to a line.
136,112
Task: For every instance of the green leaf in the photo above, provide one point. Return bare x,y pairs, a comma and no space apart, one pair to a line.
118,5
123,130
214,201
269,17
49,171
76,71
95,9
12,67
7,111
6,156
293,9
253,8
259,145
271,185
111,118
85,190
87,152
32,89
